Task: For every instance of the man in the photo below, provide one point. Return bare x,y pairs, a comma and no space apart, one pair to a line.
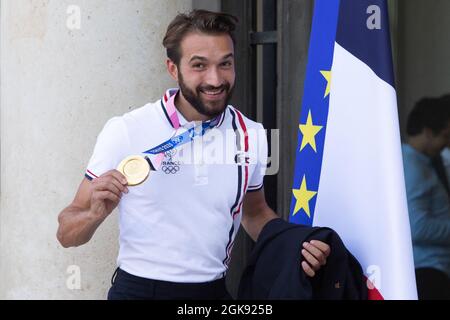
428,130
177,228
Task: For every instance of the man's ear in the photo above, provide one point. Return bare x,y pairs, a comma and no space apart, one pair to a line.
172,68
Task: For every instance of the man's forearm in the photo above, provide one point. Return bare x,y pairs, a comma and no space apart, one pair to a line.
76,227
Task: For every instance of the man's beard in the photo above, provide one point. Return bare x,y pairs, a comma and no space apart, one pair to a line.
194,98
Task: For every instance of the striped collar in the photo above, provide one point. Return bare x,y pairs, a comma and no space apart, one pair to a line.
175,118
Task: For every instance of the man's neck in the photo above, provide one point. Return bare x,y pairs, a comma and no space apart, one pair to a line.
187,110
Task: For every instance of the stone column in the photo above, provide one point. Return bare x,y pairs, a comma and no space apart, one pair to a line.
66,68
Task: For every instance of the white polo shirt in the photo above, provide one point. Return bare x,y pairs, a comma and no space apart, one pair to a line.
180,224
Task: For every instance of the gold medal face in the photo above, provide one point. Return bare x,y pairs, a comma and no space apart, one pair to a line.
135,168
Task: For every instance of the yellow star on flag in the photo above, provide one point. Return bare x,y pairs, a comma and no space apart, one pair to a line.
327,76
309,131
303,196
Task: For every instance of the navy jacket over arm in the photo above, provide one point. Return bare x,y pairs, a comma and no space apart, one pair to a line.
274,269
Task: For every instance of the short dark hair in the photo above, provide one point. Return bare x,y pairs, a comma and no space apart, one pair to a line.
197,20
432,113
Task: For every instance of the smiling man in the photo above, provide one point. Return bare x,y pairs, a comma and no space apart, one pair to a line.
177,228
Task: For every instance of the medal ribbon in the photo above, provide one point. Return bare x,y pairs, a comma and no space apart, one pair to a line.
178,140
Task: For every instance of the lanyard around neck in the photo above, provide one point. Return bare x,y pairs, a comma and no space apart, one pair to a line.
178,140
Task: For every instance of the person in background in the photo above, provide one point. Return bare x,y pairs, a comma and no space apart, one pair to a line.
428,130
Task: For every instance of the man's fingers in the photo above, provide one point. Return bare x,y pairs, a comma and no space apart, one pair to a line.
108,179
322,246
107,185
319,255
313,262
108,195
120,177
119,185
308,270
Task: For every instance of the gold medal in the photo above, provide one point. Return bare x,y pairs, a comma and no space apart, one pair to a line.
135,168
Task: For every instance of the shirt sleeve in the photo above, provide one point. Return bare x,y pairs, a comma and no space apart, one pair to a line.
110,149
256,181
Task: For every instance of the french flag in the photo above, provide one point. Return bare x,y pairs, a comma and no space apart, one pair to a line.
349,170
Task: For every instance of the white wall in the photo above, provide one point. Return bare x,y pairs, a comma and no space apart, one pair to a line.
58,88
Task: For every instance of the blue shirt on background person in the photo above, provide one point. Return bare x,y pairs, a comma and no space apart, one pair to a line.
429,211
428,193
